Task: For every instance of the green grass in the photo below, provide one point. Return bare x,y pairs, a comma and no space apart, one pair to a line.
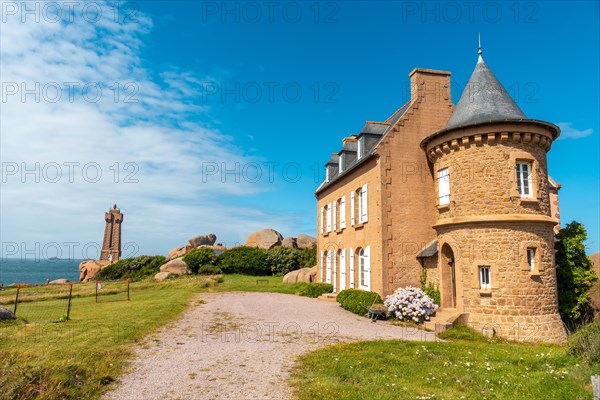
79,358
247,283
477,368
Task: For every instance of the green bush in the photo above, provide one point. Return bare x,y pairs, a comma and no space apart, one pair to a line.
209,269
314,289
585,343
198,258
282,260
355,300
131,268
309,256
433,292
244,260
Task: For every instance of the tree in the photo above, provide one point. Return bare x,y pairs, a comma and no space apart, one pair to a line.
574,274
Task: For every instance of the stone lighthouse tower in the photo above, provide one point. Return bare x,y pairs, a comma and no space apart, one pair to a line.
111,245
494,224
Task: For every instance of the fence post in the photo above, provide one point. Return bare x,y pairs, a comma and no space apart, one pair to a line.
596,386
128,290
96,286
17,299
69,304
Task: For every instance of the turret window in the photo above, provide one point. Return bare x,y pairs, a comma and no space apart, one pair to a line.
443,186
485,277
524,179
531,258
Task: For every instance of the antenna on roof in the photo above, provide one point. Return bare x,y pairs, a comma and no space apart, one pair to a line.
479,52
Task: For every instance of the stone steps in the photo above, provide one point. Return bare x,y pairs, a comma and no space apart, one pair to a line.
444,319
327,297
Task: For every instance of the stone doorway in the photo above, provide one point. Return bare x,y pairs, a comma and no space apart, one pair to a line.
447,265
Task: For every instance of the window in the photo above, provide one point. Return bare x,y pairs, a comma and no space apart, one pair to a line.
524,179
328,212
485,278
443,186
342,159
531,258
335,216
322,219
364,268
361,147
343,212
362,205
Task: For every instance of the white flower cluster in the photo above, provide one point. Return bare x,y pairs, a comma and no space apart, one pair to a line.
410,303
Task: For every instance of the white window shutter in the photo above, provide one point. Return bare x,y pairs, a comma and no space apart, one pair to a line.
322,220
343,270
335,272
364,210
321,269
343,212
352,268
352,209
368,268
328,269
328,217
335,215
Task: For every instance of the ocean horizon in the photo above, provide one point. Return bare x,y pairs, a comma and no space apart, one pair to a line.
17,270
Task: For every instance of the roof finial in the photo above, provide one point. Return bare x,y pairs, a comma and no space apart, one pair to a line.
479,52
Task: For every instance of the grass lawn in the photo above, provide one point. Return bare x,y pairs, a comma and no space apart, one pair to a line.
460,369
246,283
78,358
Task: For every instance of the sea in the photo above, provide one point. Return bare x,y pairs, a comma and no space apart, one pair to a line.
31,271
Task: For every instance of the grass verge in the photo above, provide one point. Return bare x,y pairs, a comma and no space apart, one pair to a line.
476,368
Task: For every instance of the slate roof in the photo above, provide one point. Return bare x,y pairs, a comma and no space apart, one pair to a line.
429,250
484,99
375,131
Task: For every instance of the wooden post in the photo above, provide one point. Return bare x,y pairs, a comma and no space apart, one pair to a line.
128,290
69,304
596,386
17,299
97,291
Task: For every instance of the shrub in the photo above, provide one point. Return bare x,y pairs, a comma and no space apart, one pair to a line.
433,292
574,274
410,303
244,260
282,260
131,268
309,256
585,343
315,289
355,300
209,269
198,258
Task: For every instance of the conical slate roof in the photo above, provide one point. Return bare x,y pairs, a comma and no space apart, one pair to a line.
484,100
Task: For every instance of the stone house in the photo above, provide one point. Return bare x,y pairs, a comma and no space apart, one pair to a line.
459,193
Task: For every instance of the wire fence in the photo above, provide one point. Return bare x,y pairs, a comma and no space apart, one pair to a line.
113,291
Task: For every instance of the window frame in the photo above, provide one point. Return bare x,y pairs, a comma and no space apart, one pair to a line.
443,186
483,276
522,181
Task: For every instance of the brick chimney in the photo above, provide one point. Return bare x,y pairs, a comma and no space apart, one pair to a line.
430,85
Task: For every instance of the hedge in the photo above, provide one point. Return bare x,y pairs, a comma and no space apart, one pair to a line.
131,268
585,343
314,289
355,300
244,260
198,258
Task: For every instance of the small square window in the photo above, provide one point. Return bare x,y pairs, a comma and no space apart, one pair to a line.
485,277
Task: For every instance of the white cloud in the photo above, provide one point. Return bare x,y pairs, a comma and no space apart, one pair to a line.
161,135
568,132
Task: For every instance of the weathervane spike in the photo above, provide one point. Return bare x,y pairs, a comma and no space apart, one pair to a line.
479,52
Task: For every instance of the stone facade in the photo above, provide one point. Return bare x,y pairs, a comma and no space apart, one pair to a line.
111,245
486,223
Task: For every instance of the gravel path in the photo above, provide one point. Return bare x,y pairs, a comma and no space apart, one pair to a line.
242,346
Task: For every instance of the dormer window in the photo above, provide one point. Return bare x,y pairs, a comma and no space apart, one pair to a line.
342,161
361,147
327,174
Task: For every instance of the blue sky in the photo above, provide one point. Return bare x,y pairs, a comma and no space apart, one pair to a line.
217,88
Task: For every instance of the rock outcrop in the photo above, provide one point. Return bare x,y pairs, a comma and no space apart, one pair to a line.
88,269
305,242
5,314
265,239
176,252
301,275
289,242
202,240
161,276
176,267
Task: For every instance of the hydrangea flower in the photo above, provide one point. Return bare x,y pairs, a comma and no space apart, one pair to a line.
410,303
